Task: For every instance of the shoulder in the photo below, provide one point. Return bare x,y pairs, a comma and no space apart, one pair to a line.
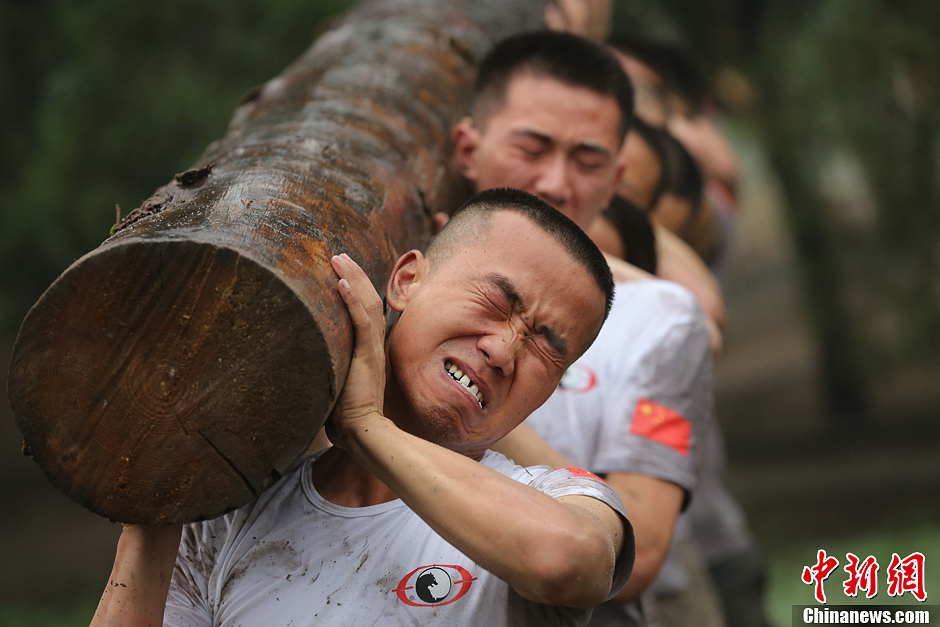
654,297
647,316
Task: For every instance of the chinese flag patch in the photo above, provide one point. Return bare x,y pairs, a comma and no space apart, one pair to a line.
661,424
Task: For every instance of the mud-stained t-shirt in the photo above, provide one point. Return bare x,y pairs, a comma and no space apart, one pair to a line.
292,558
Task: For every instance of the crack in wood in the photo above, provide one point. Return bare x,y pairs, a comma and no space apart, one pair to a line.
231,464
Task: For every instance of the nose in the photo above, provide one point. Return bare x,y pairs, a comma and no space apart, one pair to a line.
499,349
552,184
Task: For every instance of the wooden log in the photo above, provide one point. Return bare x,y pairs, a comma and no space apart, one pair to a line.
177,370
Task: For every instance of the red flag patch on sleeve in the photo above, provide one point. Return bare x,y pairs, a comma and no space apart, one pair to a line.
661,424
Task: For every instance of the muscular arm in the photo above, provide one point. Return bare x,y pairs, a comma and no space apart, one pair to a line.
135,595
652,505
560,552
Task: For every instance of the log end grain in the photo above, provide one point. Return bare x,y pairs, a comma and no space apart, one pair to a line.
174,398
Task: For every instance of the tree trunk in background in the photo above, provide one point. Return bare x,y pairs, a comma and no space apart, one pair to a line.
177,370
784,130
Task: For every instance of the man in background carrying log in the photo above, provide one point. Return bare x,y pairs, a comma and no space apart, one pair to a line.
505,299
549,115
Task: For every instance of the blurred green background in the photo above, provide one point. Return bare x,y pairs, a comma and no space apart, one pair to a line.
828,386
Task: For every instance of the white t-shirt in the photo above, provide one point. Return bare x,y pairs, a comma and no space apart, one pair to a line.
639,400
292,558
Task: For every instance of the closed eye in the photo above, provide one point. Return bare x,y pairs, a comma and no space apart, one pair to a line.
531,143
531,151
543,349
502,308
590,165
590,159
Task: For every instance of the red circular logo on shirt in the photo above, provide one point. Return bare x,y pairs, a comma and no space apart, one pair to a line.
578,378
434,585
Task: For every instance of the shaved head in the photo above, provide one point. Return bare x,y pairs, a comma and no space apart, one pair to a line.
472,222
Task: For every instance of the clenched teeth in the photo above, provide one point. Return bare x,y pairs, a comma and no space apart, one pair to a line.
464,380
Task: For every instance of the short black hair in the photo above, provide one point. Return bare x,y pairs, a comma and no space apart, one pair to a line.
549,219
674,62
632,225
567,58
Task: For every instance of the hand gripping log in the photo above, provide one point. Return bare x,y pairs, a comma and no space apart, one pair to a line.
177,370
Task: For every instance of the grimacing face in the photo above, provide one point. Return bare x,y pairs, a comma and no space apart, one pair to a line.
558,142
511,311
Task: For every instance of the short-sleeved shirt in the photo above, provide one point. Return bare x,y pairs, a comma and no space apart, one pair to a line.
639,400
294,558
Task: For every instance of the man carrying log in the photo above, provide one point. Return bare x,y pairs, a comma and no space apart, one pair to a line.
409,517
549,115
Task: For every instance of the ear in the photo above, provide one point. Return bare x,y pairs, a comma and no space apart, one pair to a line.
619,169
410,269
466,140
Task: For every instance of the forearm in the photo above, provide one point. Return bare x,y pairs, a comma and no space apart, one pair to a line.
546,550
653,506
135,594
646,566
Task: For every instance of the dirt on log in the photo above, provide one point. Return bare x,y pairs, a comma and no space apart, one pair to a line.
177,370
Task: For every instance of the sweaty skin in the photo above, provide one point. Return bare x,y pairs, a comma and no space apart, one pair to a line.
567,154
557,551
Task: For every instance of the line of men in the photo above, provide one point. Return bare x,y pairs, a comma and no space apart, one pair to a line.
411,516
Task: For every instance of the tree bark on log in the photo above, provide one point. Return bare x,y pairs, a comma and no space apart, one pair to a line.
177,370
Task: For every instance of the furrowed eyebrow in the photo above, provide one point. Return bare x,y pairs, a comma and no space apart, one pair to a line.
507,288
557,343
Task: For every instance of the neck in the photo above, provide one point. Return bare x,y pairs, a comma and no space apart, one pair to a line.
342,481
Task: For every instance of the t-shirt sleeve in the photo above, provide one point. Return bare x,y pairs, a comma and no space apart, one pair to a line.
188,601
656,420
560,482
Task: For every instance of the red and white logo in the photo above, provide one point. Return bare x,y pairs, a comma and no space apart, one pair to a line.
903,575
434,585
578,378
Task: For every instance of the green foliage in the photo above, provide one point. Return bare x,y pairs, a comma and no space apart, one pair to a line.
73,615
860,83
842,86
112,99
